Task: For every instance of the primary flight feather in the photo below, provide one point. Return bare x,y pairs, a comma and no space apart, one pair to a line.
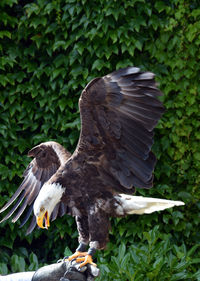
118,114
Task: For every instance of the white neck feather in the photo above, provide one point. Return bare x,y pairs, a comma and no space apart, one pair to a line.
48,197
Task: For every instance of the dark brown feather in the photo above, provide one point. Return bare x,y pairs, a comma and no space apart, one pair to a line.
118,114
31,226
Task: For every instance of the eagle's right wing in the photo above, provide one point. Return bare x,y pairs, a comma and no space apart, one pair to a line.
48,157
118,115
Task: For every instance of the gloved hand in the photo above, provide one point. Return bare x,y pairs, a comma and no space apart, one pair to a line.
66,271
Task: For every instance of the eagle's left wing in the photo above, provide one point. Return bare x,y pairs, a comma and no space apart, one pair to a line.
48,157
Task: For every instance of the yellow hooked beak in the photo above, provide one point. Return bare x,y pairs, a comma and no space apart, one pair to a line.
44,217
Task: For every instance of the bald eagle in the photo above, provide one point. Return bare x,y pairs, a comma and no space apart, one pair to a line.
118,114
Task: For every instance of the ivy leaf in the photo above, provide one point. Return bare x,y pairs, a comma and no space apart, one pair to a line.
98,64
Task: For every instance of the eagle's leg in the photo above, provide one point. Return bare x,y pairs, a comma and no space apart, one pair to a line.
82,226
98,233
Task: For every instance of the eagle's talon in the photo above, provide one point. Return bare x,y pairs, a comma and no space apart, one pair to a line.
85,260
76,255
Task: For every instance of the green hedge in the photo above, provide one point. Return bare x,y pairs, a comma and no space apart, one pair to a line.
49,50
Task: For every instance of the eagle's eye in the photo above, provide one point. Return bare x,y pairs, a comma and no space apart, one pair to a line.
42,209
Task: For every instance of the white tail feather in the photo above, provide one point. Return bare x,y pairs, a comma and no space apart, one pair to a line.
143,205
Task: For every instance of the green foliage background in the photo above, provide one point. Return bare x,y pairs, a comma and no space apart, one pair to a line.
49,50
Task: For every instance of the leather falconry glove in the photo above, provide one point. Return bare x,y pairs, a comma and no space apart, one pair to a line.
66,271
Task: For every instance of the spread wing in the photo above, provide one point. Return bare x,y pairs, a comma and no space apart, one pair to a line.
118,114
48,157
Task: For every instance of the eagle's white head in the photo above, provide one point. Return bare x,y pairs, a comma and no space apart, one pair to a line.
49,196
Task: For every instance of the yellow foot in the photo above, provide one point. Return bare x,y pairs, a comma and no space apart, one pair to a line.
76,255
85,260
